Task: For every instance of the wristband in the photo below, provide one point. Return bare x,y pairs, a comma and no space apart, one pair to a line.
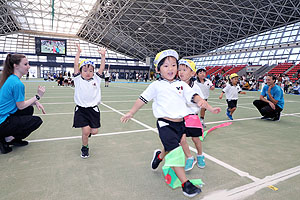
37,97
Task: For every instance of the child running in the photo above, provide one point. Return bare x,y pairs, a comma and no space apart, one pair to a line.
186,71
169,107
87,97
231,91
205,85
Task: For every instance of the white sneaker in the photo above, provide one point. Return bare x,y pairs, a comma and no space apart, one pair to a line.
202,122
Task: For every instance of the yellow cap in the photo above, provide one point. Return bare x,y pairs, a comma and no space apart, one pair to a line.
188,63
161,55
233,75
86,62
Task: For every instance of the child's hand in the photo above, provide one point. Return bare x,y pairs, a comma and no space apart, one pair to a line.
102,51
41,91
40,106
126,117
221,96
78,47
216,110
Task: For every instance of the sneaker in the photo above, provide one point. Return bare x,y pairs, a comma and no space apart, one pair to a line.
229,115
90,134
190,162
155,160
200,161
18,142
277,118
190,190
84,152
4,147
202,122
266,118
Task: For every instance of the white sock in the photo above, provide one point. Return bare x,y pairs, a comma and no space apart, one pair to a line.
9,138
192,157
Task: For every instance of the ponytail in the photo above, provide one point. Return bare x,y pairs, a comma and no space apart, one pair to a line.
8,68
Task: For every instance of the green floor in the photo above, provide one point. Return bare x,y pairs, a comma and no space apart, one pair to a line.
50,167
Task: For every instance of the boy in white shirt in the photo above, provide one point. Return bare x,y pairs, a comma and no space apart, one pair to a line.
169,107
231,91
87,97
205,85
186,71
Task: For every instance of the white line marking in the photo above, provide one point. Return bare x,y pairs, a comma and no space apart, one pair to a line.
249,189
98,135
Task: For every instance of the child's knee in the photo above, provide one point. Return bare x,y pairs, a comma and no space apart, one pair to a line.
94,131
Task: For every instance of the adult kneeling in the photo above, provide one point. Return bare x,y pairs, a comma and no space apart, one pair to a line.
16,114
270,107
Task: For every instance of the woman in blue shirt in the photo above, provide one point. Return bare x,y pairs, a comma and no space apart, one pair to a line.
16,114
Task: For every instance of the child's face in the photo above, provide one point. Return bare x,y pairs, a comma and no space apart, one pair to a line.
234,80
185,73
168,69
87,72
201,74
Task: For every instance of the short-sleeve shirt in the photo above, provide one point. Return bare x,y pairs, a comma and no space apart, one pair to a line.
232,91
12,91
87,92
169,98
205,87
193,108
276,93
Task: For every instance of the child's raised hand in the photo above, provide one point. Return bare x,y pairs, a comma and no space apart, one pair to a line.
78,47
102,51
41,90
126,117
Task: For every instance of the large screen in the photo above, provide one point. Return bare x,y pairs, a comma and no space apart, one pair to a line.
50,46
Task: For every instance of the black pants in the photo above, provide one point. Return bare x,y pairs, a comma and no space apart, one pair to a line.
20,124
265,109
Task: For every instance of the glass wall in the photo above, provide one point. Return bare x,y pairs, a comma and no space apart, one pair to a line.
271,47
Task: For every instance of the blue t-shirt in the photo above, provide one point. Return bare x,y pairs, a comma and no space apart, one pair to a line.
276,93
12,91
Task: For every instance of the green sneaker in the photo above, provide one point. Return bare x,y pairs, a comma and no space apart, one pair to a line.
190,162
200,161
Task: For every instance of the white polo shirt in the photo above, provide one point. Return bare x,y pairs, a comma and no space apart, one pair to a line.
193,108
169,98
205,87
231,91
87,92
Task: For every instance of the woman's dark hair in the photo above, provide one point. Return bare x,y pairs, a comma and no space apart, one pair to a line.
162,62
8,68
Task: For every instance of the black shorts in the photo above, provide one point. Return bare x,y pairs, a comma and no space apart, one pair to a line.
231,103
86,117
106,79
170,133
193,132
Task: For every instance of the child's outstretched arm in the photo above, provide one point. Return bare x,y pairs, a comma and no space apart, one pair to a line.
102,52
203,104
221,95
137,105
76,61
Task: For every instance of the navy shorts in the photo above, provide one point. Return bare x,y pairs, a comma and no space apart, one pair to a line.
170,133
89,116
231,103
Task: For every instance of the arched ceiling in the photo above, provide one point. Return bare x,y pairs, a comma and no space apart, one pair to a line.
140,28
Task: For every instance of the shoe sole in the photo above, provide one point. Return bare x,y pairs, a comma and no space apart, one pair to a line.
84,156
201,167
153,159
191,167
190,195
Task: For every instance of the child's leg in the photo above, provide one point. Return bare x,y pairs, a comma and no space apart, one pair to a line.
85,135
94,131
232,110
180,173
198,145
185,146
202,113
